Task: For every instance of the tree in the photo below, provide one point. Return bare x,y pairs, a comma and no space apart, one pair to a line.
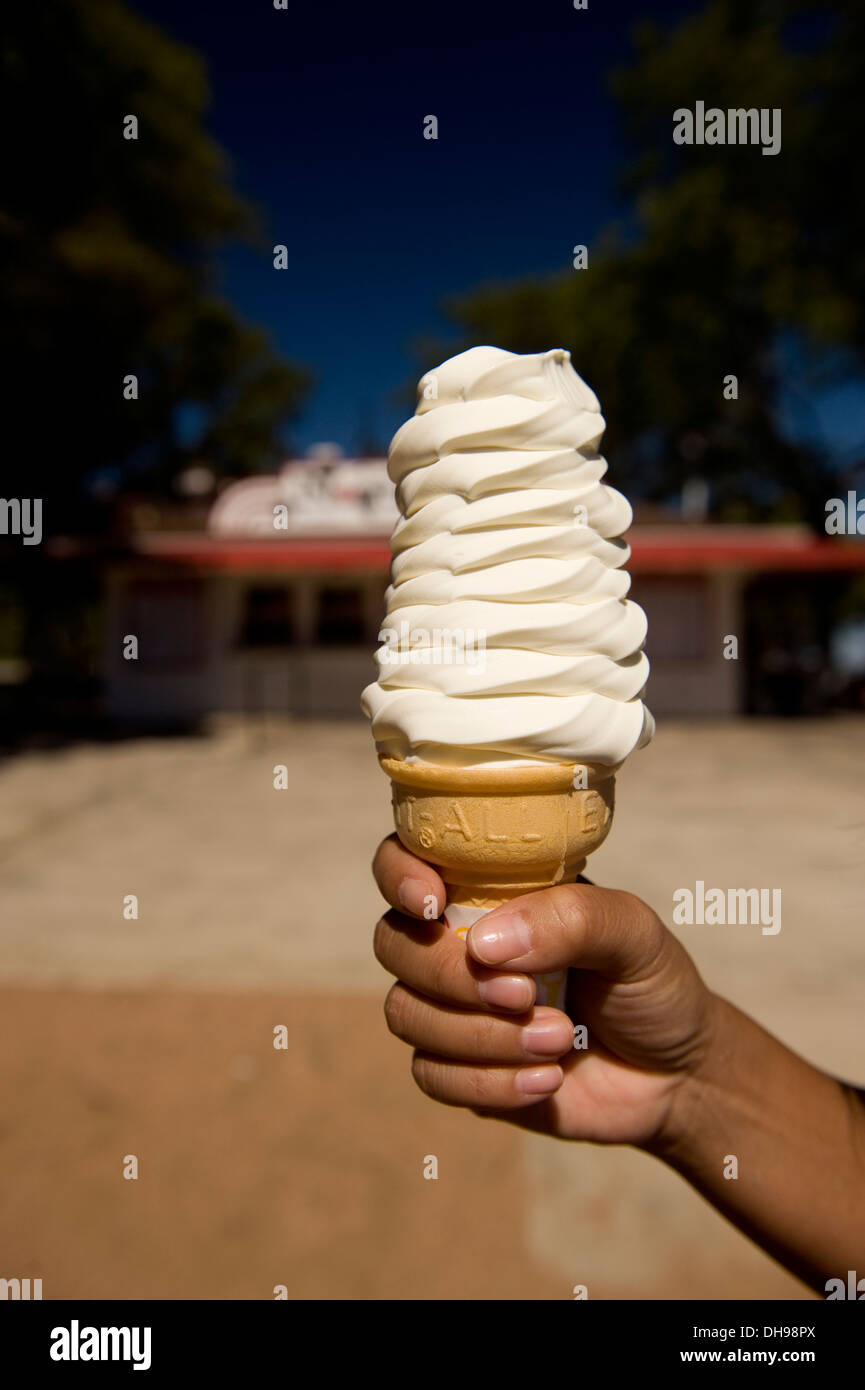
107,246
741,264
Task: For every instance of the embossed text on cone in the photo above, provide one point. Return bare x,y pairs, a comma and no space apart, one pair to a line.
497,832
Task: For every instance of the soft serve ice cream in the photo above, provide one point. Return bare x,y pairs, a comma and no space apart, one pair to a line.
508,636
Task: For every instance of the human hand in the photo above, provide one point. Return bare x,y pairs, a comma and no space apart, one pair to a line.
480,1041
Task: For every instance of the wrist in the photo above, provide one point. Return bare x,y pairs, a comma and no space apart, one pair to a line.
698,1089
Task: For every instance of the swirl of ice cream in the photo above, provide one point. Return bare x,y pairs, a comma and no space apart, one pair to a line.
508,634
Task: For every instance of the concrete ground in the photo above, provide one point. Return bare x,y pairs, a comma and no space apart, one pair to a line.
152,1036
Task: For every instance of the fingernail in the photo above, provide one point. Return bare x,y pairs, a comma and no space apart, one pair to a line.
415,897
548,1035
507,992
506,937
539,1081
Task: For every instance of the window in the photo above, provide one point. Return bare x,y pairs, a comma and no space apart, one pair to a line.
340,617
267,618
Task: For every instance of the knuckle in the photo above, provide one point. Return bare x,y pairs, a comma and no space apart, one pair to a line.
423,1074
434,1078
381,940
376,860
569,909
487,1035
383,858
483,1088
396,1011
645,926
455,1085
440,973
634,907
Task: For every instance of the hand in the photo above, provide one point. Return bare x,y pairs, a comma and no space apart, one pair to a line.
480,1040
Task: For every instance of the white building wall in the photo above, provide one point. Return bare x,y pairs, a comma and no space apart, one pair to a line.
140,690
303,680
706,686
323,682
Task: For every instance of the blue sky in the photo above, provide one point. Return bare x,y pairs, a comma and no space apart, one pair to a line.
321,109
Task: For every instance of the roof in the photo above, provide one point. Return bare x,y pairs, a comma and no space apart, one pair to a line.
654,549
316,497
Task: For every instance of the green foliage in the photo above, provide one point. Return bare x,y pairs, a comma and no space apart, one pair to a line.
736,254
107,261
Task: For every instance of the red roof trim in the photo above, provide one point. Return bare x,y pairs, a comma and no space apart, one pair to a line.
670,550
222,553
813,555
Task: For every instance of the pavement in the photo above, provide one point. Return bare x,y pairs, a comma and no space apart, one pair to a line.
302,1168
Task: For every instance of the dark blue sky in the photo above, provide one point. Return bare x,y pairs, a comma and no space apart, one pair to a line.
321,108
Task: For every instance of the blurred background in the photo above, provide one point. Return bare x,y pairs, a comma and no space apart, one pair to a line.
230,251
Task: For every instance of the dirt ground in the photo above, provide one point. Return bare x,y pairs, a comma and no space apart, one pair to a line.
304,1167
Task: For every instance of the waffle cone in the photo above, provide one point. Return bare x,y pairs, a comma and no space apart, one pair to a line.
496,832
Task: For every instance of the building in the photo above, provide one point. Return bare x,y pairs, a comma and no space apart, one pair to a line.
277,604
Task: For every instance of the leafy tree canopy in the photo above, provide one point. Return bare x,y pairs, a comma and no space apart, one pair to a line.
738,263
107,247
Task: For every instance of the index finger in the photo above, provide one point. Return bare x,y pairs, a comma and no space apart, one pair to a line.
406,882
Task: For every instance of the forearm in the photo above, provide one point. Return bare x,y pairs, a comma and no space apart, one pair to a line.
798,1138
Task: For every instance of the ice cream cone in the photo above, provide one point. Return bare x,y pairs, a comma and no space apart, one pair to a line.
497,832
512,670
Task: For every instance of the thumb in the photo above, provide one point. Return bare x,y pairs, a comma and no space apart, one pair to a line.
577,925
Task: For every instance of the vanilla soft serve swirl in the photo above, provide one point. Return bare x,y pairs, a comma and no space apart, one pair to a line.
509,539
